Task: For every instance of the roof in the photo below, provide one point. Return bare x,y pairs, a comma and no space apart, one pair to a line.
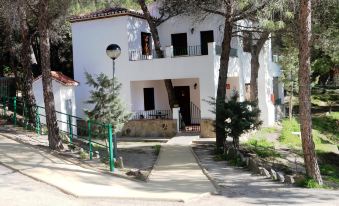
61,78
106,13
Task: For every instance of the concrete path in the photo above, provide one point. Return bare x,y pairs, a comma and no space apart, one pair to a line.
176,177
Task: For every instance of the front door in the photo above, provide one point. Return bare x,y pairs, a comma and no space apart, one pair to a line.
182,95
179,43
205,38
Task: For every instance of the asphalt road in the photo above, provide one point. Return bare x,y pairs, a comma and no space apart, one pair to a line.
19,190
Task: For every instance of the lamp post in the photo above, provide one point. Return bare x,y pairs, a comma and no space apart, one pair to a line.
113,51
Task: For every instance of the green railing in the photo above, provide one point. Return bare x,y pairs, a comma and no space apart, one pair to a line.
73,128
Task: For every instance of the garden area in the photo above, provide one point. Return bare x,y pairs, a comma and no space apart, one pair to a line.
281,146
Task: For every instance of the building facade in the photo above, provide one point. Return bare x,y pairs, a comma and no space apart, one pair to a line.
191,60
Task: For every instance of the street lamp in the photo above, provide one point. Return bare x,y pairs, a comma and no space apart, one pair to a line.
113,51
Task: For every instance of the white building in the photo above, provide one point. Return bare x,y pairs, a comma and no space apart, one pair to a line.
64,98
192,59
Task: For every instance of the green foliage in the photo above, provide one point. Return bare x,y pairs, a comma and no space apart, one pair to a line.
328,125
321,141
156,149
330,172
310,183
290,66
262,147
83,155
240,117
108,107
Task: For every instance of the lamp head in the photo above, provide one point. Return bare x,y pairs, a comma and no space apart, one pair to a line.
113,51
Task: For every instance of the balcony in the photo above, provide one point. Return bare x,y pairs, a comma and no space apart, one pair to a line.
172,52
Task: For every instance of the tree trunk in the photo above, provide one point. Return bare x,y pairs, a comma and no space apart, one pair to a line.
54,139
290,104
311,164
157,46
221,91
27,88
255,65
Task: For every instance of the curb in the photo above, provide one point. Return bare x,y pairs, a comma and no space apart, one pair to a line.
209,177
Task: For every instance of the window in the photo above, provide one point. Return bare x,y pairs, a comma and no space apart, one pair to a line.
149,99
247,41
146,41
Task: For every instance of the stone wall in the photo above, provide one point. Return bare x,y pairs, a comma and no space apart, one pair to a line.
207,128
150,128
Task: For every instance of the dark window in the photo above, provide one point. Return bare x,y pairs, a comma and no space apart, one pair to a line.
205,38
247,41
146,43
179,43
149,99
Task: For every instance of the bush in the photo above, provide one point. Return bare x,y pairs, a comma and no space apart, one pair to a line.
262,147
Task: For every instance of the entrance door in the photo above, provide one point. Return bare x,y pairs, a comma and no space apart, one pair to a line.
179,43
205,38
182,95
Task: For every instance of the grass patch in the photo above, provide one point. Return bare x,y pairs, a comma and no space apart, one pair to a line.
156,149
328,125
262,147
321,141
310,183
83,155
231,159
330,172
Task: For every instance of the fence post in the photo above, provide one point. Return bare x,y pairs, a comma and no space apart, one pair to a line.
90,139
37,122
70,126
14,105
110,144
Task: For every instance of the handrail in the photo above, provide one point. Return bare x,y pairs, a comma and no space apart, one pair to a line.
16,108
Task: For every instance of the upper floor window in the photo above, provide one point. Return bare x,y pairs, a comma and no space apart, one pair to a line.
247,41
146,43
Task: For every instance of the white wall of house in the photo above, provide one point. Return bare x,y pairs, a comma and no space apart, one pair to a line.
134,28
90,40
61,93
265,86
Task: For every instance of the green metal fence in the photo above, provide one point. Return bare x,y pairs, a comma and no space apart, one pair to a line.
90,132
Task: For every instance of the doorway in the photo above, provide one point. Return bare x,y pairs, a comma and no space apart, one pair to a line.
205,38
182,94
179,43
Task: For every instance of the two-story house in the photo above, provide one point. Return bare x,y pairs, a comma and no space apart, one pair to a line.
191,60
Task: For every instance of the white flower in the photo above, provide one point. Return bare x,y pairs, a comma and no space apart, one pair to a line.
228,120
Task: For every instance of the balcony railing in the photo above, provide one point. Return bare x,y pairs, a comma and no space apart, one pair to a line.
136,55
188,51
170,52
152,114
233,52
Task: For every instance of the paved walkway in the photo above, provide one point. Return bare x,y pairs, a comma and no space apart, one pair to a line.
176,176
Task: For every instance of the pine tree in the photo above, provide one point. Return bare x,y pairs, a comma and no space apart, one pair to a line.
240,117
108,107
